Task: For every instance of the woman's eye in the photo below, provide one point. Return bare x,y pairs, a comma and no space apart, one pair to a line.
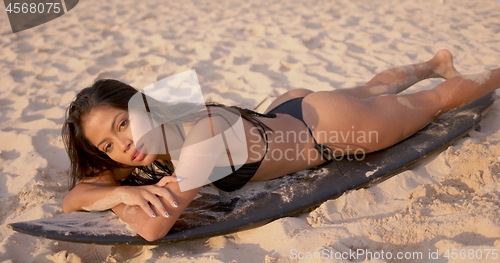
108,147
123,124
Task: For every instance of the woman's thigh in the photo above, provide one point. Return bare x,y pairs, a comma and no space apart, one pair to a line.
348,123
297,93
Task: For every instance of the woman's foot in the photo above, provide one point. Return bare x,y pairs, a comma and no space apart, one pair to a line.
443,65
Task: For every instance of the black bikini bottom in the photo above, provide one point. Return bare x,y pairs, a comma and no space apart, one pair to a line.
293,108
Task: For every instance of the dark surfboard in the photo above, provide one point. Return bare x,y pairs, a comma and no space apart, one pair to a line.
216,213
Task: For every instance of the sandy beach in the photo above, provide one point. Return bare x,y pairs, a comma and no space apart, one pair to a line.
243,53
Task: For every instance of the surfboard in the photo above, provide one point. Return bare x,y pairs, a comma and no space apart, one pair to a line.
214,213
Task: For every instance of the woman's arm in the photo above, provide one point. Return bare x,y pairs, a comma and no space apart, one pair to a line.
153,228
88,192
103,193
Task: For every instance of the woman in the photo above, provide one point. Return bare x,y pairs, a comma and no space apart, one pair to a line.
103,153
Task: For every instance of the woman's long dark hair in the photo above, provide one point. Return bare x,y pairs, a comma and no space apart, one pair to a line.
88,161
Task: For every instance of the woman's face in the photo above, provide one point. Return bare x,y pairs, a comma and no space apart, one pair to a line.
109,130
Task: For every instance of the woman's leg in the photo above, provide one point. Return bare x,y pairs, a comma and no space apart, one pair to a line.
462,90
390,81
388,119
397,79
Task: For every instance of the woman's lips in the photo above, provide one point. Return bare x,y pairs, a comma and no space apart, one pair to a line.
138,155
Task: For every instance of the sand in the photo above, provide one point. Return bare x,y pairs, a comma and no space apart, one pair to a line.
244,52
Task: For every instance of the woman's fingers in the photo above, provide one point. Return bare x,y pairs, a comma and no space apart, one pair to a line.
165,193
156,202
147,209
149,197
167,180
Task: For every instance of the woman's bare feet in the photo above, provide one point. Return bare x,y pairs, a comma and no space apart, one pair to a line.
442,64
398,79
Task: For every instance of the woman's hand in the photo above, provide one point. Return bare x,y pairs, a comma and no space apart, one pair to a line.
146,196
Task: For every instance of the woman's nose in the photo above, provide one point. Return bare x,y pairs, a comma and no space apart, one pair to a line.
124,144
